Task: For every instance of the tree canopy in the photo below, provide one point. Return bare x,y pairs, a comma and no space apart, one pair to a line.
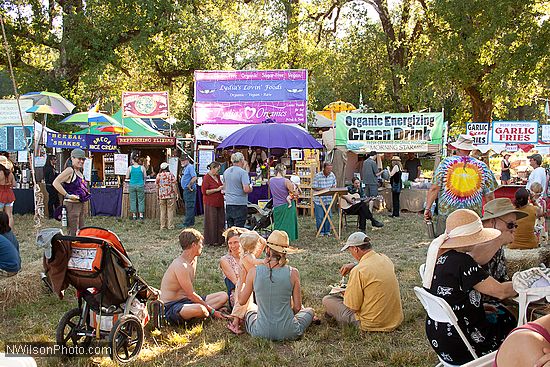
477,59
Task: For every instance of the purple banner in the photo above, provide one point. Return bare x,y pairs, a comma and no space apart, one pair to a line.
298,74
250,90
249,112
101,143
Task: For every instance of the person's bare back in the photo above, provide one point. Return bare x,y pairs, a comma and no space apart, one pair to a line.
178,271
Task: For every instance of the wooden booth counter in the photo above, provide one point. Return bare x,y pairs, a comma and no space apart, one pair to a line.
152,209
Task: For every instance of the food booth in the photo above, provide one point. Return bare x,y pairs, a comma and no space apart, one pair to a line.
357,134
227,103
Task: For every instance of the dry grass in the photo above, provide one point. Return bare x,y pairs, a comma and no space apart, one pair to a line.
29,313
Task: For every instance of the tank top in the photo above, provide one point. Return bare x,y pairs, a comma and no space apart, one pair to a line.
275,316
532,327
77,187
278,189
136,176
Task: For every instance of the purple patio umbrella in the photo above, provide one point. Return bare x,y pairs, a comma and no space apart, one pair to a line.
271,135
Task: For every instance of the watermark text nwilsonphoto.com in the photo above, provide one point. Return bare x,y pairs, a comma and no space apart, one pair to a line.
51,349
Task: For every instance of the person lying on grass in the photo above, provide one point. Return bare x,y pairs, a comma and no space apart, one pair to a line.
181,302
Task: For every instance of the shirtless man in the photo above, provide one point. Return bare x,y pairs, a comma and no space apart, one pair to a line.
180,300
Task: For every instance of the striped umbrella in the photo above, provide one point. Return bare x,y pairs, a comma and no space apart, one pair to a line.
84,119
58,104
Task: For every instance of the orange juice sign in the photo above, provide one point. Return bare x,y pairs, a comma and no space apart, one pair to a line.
518,132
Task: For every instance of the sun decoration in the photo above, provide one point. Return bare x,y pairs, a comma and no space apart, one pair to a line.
464,179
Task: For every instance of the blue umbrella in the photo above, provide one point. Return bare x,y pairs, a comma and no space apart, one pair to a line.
271,135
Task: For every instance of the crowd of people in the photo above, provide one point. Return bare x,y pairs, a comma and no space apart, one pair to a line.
465,263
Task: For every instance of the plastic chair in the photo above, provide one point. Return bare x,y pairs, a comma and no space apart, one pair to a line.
421,270
484,361
439,310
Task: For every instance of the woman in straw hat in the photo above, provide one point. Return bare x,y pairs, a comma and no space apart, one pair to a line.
276,285
7,181
395,181
454,275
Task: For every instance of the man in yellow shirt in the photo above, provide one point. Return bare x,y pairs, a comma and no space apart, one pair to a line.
371,300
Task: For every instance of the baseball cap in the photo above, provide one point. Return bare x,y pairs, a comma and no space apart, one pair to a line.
78,153
356,239
163,165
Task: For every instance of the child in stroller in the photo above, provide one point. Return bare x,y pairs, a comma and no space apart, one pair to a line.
259,219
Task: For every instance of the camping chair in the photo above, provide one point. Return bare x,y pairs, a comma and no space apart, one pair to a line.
484,361
439,310
421,270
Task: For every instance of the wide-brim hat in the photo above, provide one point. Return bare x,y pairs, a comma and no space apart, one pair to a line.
500,207
504,154
464,142
396,158
4,161
463,217
278,241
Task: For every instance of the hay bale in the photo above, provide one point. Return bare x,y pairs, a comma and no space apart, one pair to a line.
518,260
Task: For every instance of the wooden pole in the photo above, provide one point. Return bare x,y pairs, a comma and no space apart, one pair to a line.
38,194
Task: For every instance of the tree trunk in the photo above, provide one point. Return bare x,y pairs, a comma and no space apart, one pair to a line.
482,108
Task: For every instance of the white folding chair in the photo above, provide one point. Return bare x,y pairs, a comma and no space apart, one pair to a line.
439,310
484,361
421,270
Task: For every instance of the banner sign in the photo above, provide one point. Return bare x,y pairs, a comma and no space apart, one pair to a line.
145,104
479,131
251,90
518,132
148,140
292,74
249,112
12,138
389,132
68,141
101,143
121,163
545,137
9,113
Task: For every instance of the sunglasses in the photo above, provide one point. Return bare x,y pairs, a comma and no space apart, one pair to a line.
509,225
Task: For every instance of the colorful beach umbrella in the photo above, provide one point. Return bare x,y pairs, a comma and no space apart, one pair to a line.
339,106
84,119
45,109
58,104
118,129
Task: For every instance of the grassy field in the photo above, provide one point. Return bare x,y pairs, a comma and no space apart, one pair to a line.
29,313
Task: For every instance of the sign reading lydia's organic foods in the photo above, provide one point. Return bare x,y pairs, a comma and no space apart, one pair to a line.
518,132
389,132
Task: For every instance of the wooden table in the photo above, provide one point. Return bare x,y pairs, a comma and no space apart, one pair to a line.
336,192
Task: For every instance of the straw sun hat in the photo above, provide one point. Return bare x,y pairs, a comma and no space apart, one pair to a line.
476,235
396,158
4,161
278,241
497,208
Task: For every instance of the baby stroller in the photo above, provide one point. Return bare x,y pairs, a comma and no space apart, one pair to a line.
259,219
112,298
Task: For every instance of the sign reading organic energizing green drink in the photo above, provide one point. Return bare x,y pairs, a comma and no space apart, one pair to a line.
389,132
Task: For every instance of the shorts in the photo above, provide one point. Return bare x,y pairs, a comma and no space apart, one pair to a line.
2,205
172,310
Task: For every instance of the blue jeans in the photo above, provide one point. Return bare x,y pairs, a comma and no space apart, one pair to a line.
189,198
319,215
236,215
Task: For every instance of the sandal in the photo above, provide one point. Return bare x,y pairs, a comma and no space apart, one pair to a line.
316,321
234,329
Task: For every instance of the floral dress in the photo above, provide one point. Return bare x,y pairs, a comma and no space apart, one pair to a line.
455,276
228,283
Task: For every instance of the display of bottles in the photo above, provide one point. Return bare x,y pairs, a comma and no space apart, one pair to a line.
109,157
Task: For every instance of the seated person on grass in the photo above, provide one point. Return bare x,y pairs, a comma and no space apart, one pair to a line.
180,300
10,263
371,300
